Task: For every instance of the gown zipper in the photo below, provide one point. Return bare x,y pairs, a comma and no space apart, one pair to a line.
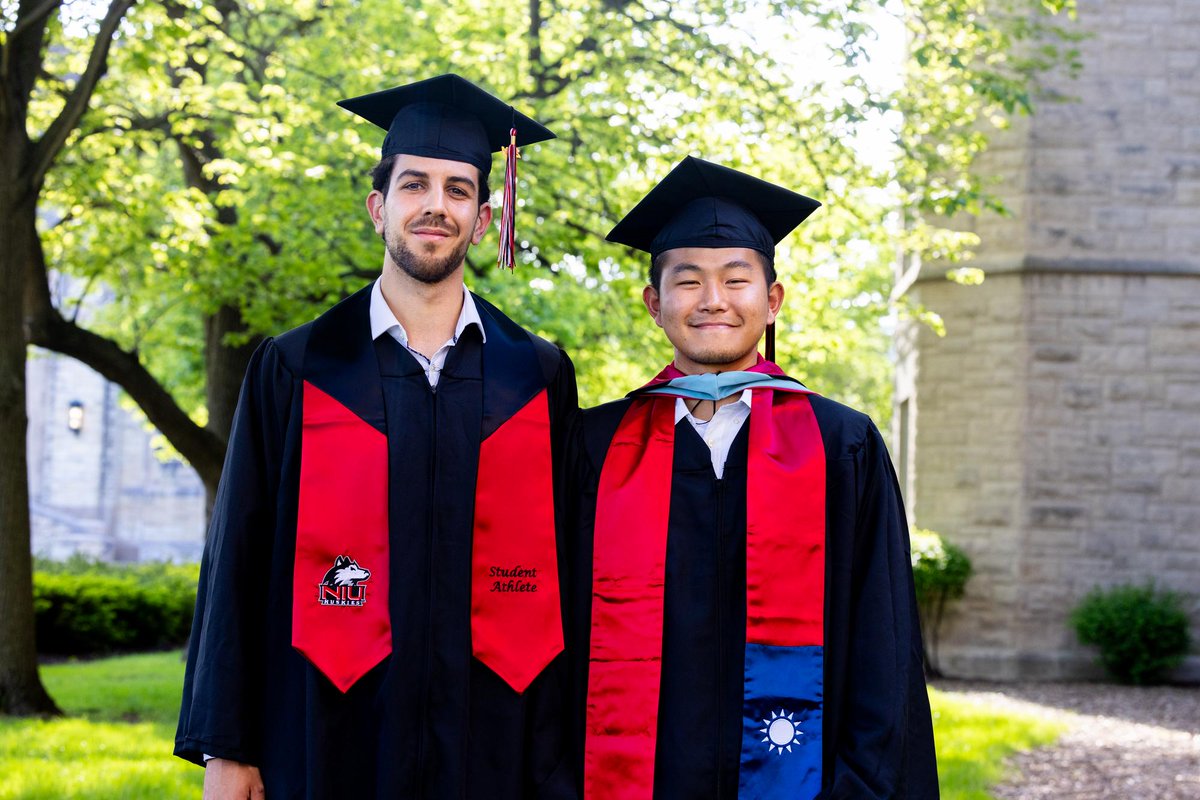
720,487
429,643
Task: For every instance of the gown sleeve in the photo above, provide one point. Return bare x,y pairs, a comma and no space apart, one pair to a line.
885,749
220,715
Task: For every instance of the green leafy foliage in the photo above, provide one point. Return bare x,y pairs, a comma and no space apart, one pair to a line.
1142,631
973,65
86,608
940,574
214,168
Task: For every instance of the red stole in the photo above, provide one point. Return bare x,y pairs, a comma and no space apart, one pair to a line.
341,527
516,618
341,619
785,549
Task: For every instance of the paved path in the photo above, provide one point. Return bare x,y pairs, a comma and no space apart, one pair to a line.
1122,742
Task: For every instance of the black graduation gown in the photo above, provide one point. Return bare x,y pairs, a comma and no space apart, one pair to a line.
877,737
430,721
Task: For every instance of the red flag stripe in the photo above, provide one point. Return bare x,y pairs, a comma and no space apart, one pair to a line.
785,522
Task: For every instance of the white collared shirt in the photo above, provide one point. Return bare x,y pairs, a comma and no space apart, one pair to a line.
384,321
718,432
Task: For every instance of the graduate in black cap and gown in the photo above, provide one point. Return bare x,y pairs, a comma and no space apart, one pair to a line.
742,623
379,611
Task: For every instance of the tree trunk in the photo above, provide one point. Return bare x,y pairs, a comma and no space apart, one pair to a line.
23,167
21,690
224,367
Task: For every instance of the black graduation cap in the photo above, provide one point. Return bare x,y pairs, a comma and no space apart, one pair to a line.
445,117
702,204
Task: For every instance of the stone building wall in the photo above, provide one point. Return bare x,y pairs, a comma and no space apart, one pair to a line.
1058,441
103,492
1055,432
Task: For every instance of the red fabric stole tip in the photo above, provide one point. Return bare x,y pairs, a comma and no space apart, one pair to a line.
516,617
340,617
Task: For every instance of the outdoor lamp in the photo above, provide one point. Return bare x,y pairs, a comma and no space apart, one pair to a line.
75,416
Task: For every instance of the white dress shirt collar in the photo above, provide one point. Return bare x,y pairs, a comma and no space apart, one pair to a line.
384,321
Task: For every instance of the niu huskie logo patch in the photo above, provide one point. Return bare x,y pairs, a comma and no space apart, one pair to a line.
344,584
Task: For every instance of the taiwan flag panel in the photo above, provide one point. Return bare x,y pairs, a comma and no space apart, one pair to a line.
781,722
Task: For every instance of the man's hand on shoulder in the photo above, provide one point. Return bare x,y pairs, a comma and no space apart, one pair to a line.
231,780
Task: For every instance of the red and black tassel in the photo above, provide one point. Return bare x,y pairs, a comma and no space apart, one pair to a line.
506,257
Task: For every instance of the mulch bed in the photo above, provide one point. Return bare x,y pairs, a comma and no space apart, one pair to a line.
1122,742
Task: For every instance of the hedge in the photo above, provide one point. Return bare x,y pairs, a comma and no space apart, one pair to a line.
89,608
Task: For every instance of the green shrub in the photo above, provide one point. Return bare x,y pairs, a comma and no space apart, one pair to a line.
940,573
1142,632
87,608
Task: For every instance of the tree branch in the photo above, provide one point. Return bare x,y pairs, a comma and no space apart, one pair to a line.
202,448
51,143
536,68
87,288
269,242
475,268
22,53
353,267
159,124
562,201
35,16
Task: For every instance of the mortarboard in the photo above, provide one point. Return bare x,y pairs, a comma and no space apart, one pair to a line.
702,204
451,118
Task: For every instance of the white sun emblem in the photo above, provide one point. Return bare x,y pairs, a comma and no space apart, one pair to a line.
781,731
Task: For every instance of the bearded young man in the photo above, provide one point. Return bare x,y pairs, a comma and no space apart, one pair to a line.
379,609
741,583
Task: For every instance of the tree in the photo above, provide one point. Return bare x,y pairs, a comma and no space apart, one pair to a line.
26,161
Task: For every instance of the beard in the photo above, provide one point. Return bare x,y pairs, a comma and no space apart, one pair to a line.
715,357
423,268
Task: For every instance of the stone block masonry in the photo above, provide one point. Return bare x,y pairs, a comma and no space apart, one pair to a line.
1079,468
1055,431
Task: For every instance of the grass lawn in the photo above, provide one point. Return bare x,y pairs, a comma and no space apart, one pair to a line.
116,742
973,740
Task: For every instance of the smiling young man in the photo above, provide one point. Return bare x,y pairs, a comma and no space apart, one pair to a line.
390,462
741,584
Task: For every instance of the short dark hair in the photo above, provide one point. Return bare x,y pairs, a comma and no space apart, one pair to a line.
381,178
656,267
